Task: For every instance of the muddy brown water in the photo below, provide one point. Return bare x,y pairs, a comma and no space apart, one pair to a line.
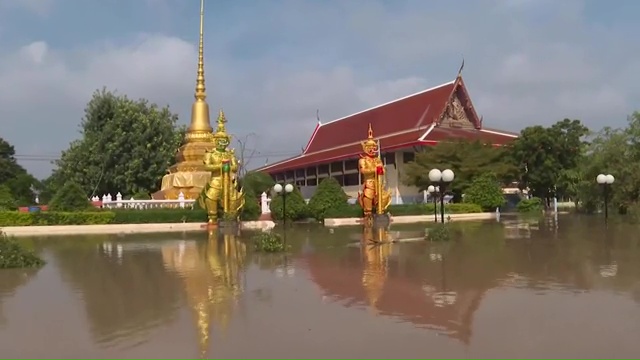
516,289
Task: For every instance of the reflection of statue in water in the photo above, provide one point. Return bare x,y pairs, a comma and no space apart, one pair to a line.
222,189
376,248
373,198
212,278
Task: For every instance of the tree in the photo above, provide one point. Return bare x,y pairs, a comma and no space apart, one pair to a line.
126,146
328,195
616,152
70,197
254,183
245,153
544,156
296,206
467,159
14,176
7,201
485,190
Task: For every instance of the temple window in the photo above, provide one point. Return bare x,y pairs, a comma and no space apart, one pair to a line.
351,179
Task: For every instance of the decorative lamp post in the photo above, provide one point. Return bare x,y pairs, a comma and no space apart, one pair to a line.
284,190
605,181
433,190
442,179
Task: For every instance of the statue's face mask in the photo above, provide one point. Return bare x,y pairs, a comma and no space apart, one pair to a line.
222,143
371,150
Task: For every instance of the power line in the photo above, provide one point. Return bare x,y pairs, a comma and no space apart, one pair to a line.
46,157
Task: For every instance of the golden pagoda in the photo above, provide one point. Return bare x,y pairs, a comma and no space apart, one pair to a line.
376,248
188,175
212,278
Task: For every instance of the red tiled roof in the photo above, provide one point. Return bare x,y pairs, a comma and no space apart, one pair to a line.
406,122
410,112
420,137
445,134
389,142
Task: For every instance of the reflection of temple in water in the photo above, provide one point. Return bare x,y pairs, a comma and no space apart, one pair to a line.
387,284
212,277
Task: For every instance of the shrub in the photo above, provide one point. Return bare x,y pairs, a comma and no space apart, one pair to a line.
14,255
7,201
351,211
485,190
296,206
70,197
440,232
158,216
251,210
151,216
269,242
254,183
328,195
530,205
141,196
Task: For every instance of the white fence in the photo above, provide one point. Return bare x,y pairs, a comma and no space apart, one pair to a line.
108,201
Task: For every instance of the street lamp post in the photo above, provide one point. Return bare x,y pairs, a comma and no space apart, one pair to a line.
433,191
605,181
442,179
283,190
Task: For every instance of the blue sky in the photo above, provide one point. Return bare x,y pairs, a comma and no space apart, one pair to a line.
271,64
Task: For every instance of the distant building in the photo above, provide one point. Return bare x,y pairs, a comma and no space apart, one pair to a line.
403,126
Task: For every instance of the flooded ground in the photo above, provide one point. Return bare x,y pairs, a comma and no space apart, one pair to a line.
511,289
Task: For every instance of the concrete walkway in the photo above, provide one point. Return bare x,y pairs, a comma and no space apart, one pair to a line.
54,230
410,219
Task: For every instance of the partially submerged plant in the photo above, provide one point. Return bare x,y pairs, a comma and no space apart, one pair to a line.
15,255
269,242
440,232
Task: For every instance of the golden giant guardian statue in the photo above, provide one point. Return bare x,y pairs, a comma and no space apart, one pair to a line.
373,198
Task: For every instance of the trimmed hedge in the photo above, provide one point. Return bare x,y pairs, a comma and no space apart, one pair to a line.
151,216
352,211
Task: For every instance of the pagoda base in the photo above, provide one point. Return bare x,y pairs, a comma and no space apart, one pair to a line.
190,184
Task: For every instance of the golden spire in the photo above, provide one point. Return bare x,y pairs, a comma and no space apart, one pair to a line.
200,121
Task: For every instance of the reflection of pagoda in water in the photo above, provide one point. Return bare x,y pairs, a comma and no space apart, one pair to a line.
211,273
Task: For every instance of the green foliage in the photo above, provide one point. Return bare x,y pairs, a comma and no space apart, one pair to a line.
15,255
159,216
141,196
126,146
7,202
328,195
547,157
269,242
485,190
14,176
530,205
150,216
467,159
254,183
251,210
70,197
355,211
296,208
439,232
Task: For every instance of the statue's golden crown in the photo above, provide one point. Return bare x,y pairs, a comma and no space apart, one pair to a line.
370,142
221,132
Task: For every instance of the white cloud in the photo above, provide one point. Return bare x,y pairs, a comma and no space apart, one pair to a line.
518,72
38,7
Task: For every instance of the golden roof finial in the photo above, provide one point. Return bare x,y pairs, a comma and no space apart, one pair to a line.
200,120
201,93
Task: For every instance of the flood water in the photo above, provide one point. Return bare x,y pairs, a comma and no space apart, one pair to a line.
513,289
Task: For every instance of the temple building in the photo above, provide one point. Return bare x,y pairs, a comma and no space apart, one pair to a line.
402,126
188,175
